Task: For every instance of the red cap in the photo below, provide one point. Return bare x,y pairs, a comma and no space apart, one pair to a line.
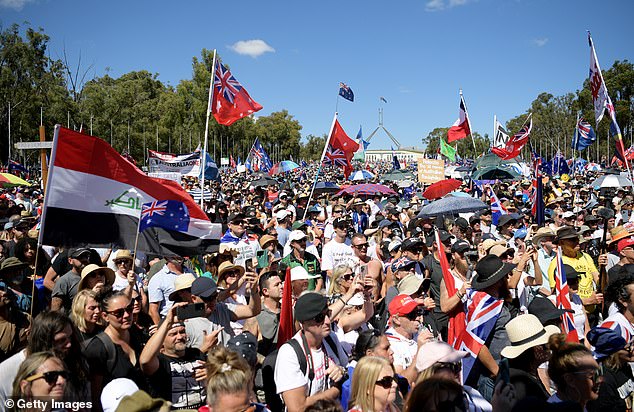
623,243
402,305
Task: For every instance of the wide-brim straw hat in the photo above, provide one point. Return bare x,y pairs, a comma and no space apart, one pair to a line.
107,272
524,332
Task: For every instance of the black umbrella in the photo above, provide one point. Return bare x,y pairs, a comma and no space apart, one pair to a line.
326,187
265,181
494,173
451,205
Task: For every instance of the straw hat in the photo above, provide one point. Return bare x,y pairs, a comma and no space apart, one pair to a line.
182,282
89,269
227,266
123,254
618,233
542,232
526,331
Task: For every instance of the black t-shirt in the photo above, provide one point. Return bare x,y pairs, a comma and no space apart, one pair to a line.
435,271
174,380
121,367
617,385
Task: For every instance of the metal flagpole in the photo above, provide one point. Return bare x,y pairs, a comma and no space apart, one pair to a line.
203,154
321,159
469,121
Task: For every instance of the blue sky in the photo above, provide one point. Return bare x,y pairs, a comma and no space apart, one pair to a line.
417,54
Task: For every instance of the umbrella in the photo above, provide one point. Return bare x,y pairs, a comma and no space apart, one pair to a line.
451,205
593,167
195,193
326,187
441,188
283,166
495,173
8,180
367,189
396,175
405,183
265,181
611,181
361,175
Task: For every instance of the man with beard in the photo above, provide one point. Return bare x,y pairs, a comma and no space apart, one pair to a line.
175,372
66,286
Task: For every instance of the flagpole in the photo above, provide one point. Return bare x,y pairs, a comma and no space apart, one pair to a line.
321,159
466,113
576,145
136,240
203,155
495,129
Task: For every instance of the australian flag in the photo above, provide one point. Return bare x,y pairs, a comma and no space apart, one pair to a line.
346,92
17,167
167,214
497,209
259,159
584,137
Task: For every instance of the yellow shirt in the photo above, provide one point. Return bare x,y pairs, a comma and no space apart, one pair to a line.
583,264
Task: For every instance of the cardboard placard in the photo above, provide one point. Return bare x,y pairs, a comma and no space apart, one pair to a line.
430,170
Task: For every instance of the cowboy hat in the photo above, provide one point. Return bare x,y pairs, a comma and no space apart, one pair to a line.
525,332
541,233
182,282
489,271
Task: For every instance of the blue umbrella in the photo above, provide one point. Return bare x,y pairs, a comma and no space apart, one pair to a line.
361,175
283,166
451,205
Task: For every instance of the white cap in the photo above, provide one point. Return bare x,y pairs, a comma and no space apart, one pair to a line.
568,214
114,392
393,245
282,214
299,273
296,235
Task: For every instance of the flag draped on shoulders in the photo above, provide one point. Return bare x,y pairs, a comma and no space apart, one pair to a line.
230,100
340,148
94,198
457,320
515,144
461,127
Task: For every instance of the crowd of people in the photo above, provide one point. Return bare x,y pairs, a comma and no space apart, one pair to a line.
390,312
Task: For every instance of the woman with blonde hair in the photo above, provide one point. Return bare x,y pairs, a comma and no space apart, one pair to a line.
42,375
230,384
373,386
86,313
341,282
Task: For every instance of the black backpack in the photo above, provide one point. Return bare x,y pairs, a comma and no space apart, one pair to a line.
273,400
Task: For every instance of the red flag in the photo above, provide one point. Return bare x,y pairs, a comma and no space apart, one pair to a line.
461,127
515,144
340,149
457,321
232,162
230,101
285,330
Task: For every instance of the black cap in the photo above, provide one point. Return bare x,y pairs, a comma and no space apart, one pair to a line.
571,273
341,221
204,287
460,246
505,219
310,305
545,310
462,223
411,243
245,345
237,216
77,252
444,236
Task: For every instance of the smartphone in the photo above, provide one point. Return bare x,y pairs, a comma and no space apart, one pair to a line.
504,375
248,265
191,310
263,258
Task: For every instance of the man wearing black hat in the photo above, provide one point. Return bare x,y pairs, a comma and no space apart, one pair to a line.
412,248
505,226
237,238
66,286
490,284
325,364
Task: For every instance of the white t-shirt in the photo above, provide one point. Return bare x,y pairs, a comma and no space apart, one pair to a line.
335,253
8,371
122,283
404,349
288,374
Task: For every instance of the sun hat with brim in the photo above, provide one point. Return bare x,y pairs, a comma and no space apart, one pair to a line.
227,266
10,264
123,254
402,305
525,332
410,284
266,239
500,250
487,244
371,231
605,342
618,233
505,219
566,232
541,233
309,305
182,282
437,352
545,310
299,273
141,401
92,268
489,270
623,243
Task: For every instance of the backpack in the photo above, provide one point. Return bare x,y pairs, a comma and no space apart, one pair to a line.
273,400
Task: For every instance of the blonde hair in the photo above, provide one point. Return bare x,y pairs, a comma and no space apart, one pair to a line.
366,373
228,373
29,367
337,272
78,309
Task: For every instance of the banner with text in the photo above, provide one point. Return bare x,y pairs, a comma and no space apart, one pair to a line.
430,170
185,164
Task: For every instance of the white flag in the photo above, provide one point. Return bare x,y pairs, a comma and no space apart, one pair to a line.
501,136
599,91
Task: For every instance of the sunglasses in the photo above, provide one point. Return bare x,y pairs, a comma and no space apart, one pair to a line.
239,223
50,377
593,375
386,382
118,313
360,246
231,273
414,315
454,367
118,262
209,299
322,317
347,276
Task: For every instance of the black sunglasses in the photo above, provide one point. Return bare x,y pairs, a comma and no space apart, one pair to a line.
50,377
347,276
322,316
360,245
386,382
414,315
454,367
118,313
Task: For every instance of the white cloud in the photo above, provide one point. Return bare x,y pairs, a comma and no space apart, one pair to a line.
438,5
540,42
14,4
253,48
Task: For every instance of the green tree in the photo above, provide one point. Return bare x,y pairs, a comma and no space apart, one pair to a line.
464,146
313,148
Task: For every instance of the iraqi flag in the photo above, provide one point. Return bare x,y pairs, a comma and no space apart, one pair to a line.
461,127
94,198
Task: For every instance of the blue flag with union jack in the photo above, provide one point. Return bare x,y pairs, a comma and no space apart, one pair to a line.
346,92
562,300
259,158
497,209
167,214
584,135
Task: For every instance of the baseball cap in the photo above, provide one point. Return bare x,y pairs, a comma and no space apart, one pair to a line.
402,305
385,223
114,392
77,252
437,352
340,221
402,263
623,243
237,217
204,287
567,215
298,224
411,243
296,235
282,214
460,246
393,245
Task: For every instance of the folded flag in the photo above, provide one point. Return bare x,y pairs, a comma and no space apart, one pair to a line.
346,92
461,127
230,100
94,198
168,214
